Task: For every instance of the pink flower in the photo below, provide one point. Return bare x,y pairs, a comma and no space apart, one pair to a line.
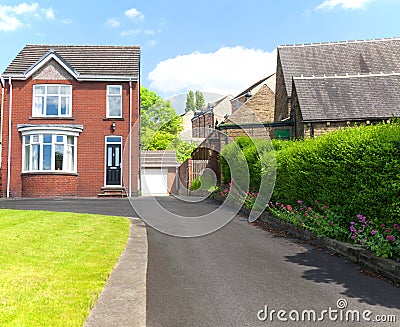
299,201
315,216
373,232
325,207
396,226
390,238
306,214
309,208
353,237
316,201
289,207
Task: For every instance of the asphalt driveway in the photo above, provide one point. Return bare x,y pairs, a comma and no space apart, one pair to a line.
239,273
111,207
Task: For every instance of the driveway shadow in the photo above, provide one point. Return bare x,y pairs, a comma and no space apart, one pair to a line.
328,269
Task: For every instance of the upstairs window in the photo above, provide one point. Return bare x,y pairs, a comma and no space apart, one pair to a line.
52,100
114,101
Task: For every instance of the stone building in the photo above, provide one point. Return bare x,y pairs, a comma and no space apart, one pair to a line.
324,86
253,112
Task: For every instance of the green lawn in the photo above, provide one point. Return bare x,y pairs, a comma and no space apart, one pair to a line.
54,265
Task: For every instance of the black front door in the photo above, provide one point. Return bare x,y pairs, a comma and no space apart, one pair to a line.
113,164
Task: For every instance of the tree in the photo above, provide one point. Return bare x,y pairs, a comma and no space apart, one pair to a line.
199,100
190,106
158,116
161,126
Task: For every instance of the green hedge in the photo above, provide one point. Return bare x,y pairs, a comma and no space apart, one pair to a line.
353,171
245,156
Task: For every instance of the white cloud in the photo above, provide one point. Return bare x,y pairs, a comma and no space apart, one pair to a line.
345,4
226,71
130,32
134,14
67,21
13,17
113,22
49,13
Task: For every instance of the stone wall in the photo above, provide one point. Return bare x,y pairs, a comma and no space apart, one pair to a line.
282,101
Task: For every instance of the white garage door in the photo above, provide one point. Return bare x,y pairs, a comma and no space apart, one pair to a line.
154,181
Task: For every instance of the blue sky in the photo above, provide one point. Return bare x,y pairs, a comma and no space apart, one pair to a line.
215,46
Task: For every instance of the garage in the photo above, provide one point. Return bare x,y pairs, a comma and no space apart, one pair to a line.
158,172
154,181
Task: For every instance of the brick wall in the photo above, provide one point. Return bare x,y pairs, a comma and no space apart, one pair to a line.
88,109
60,185
203,124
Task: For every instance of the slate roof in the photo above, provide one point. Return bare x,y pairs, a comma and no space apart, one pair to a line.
159,159
341,58
86,60
349,98
255,85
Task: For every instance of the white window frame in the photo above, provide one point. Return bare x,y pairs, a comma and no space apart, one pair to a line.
109,95
45,96
39,131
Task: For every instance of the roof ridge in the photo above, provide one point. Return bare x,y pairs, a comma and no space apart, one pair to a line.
338,42
82,45
393,73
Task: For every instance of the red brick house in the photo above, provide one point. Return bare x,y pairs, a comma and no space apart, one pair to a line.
66,118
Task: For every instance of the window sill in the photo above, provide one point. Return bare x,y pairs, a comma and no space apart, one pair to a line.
49,173
51,118
114,119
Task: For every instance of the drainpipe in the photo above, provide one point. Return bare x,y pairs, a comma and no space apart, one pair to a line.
130,141
9,139
3,85
139,139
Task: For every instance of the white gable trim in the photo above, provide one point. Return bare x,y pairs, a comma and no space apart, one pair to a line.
44,60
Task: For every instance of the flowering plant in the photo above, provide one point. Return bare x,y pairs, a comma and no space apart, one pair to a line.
379,238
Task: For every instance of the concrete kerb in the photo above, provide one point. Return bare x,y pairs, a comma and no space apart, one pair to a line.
364,258
122,301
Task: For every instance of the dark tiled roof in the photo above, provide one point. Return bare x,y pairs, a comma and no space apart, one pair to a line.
86,60
253,86
341,58
349,98
159,158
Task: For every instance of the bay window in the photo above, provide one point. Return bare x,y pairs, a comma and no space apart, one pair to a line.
49,153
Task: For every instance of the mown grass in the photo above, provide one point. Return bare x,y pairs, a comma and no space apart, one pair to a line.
54,265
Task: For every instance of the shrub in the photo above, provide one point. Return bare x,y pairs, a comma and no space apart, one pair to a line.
248,157
352,170
196,184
